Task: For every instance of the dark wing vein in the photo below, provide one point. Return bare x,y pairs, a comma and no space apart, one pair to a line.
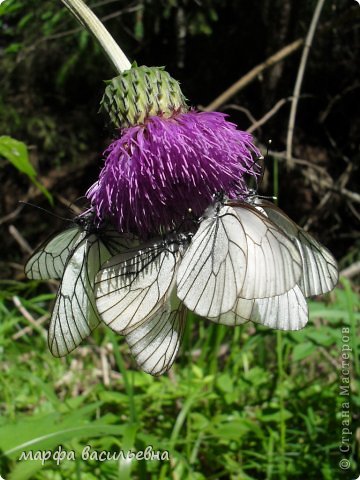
75,315
50,258
133,285
155,343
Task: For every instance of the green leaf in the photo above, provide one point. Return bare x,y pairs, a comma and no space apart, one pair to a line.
303,350
47,431
25,470
278,416
17,154
322,337
233,429
129,437
225,383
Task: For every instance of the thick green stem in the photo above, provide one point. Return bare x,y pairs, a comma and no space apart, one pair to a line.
90,21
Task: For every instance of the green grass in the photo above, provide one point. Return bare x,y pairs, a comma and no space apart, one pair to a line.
240,403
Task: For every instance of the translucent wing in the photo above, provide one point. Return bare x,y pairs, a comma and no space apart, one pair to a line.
212,272
273,262
133,285
320,271
236,253
155,343
49,259
288,311
74,315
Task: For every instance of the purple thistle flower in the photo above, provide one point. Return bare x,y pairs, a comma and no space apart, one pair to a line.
156,171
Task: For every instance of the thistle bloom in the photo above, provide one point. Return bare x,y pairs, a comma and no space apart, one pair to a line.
159,169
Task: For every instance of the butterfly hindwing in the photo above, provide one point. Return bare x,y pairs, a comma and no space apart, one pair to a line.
132,285
287,311
155,343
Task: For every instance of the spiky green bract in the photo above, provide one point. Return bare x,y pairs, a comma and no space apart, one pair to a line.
139,93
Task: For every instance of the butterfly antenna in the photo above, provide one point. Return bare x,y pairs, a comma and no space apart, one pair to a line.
74,208
46,211
268,148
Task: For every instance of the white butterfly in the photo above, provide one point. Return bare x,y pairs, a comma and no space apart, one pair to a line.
136,296
75,256
245,263
237,252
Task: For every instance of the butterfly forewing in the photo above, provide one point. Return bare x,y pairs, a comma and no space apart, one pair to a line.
131,285
48,261
155,343
273,264
319,267
213,269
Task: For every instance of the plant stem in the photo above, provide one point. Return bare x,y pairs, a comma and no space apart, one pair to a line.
279,355
90,21
127,384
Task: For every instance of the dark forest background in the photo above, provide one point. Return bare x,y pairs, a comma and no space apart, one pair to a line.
51,82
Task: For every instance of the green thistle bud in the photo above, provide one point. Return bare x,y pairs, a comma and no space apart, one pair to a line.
142,92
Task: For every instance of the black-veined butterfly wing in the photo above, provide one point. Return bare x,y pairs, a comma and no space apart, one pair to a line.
132,284
273,262
288,311
320,271
74,315
48,261
213,268
236,253
155,342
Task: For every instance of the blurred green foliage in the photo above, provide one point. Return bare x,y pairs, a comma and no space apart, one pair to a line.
241,403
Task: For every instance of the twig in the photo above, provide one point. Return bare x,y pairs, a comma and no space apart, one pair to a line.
69,205
353,196
105,367
273,60
326,181
351,271
253,74
299,161
323,116
27,315
14,265
341,182
247,112
258,123
14,232
299,79
353,210
329,357
12,215
29,328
